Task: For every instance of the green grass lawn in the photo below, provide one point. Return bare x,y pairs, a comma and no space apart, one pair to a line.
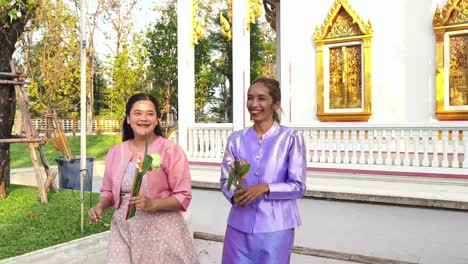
96,146
27,225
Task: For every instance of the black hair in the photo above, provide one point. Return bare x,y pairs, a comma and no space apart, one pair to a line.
127,132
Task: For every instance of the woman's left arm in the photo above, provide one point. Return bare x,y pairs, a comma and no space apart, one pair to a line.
177,169
295,184
294,187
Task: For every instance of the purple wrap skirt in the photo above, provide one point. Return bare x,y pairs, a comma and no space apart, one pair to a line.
257,248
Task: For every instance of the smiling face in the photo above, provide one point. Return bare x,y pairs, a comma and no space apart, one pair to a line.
142,118
260,103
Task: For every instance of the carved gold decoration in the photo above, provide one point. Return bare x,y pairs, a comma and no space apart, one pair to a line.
338,6
198,25
226,30
346,40
345,77
451,30
254,10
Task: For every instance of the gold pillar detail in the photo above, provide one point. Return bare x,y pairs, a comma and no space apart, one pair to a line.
343,65
254,9
451,30
226,30
198,25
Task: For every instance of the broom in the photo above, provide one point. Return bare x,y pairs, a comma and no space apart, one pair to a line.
58,139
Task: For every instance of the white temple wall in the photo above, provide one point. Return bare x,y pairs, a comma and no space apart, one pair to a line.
403,58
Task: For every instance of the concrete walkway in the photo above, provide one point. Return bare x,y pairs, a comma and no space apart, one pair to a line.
93,250
432,192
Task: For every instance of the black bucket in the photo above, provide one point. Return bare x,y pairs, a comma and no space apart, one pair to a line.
69,173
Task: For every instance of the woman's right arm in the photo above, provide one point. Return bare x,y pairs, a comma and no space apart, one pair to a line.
225,169
105,198
95,213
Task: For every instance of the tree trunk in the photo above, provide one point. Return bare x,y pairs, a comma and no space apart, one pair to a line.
8,37
7,117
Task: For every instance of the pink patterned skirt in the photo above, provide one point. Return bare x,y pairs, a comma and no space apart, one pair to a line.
161,237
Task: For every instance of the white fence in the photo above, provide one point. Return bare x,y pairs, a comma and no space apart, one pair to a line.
100,125
439,148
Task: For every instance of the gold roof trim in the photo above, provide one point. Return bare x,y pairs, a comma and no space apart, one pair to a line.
444,17
321,33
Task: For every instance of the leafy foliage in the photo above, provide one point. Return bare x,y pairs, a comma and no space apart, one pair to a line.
12,10
33,226
262,51
127,74
161,43
55,59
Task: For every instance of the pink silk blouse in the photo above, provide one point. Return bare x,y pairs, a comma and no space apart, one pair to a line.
172,179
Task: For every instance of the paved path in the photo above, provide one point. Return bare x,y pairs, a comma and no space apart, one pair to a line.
429,236
420,235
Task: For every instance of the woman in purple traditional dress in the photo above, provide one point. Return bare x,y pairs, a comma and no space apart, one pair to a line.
264,211
158,232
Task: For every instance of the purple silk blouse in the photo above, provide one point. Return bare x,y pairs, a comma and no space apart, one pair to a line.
279,160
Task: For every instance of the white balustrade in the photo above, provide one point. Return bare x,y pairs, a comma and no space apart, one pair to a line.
415,147
362,145
406,159
346,143
465,148
455,142
322,146
315,146
445,161
397,138
208,141
435,152
388,138
379,159
425,161
338,136
370,139
331,144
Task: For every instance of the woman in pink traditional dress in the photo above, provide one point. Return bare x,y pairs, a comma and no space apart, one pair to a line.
158,232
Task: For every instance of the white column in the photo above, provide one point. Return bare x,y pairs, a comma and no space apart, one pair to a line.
283,32
186,71
240,63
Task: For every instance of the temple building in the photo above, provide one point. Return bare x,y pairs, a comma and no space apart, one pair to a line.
379,90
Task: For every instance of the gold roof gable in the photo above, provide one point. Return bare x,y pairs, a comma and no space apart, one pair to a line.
454,12
349,21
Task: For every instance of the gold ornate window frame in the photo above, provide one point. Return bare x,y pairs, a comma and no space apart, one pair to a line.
342,41
451,28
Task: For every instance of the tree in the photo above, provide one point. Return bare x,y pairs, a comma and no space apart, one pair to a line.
101,105
55,59
120,15
206,79
262,50
92,25
161,43
128,75
126,64
14,16
262,56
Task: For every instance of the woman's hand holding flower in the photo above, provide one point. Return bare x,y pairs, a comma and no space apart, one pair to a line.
144,203
245,195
